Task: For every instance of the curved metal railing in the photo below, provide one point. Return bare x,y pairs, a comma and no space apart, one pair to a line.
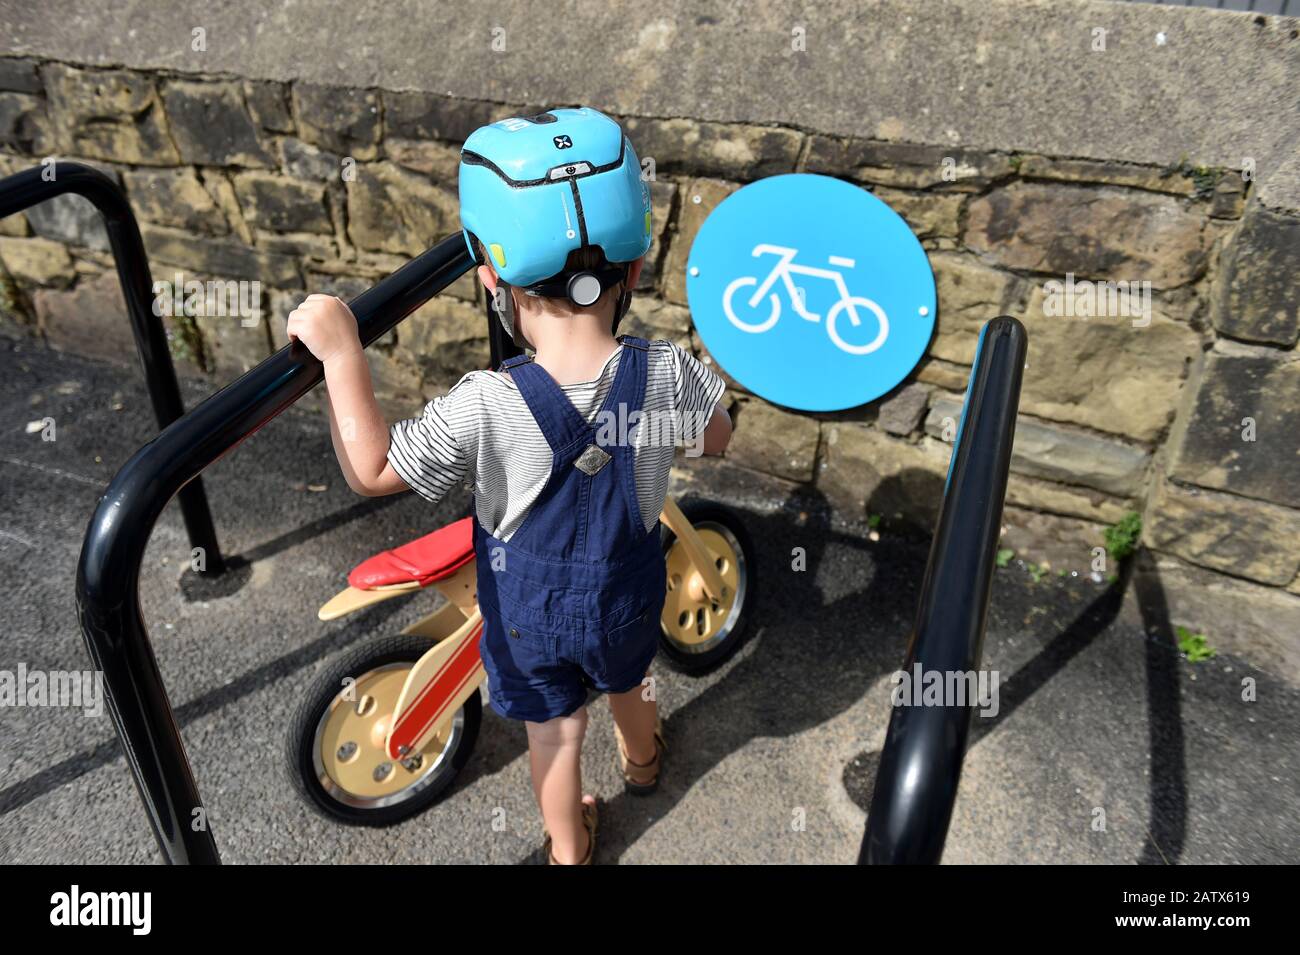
108,574
920,766
51,179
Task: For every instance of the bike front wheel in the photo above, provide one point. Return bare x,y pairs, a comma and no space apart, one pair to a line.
744,282
698,632
335,746
857,303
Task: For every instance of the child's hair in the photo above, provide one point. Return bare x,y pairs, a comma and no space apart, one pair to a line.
589,258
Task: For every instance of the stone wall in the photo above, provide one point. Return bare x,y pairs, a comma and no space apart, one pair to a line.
1191,418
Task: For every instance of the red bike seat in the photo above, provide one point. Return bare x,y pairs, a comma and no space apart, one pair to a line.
423,560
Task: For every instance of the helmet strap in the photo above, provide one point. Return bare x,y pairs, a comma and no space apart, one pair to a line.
582,287
504,306
515,331
510,318
624,299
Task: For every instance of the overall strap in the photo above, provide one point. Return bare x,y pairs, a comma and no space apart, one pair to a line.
629,391
630,379
554,412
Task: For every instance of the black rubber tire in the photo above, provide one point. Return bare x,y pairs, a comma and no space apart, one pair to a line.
302,734
700,663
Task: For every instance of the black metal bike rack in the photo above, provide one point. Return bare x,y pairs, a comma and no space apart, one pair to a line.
920,765
32,186
108,573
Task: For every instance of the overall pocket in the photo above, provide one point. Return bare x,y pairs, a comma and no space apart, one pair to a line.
518,648
630,645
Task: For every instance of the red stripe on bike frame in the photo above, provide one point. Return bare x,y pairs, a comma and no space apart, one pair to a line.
471,672
472,675
433,699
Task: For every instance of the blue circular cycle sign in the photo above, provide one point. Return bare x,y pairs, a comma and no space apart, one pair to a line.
811,292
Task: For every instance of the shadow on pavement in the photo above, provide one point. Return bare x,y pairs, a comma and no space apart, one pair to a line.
1168,812
1168,776
79,764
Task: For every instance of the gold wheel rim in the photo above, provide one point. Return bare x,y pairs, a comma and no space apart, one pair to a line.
351,762
690,619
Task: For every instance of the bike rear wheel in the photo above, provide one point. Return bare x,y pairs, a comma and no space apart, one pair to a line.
728,306
863,303
697,632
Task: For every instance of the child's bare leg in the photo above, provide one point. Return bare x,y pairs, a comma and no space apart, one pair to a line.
555,757
635,717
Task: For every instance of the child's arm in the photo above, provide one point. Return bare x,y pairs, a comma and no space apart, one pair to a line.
699,391
717,434
329,330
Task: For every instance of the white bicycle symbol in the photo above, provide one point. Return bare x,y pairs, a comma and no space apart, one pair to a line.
783,270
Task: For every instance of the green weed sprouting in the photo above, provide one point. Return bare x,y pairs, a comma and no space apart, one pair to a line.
1204,178
1122,537
1195,645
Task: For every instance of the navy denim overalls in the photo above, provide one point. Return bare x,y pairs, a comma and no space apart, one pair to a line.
572,602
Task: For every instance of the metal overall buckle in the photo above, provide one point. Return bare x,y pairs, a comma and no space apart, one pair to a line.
591,460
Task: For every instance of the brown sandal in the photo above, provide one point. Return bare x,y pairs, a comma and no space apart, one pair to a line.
641,779
589,818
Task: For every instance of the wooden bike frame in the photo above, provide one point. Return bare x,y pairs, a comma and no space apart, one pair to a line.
451,670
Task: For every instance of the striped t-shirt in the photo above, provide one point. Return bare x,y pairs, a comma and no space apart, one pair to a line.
482,433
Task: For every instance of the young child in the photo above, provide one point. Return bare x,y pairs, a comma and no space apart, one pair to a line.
569,450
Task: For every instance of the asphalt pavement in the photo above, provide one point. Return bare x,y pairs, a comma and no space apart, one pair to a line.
1108,745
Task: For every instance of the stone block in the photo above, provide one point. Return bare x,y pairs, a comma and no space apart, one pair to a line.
725,151
420,115
220,258
864,471
1046,450
211,126
1090,231
970,295
1105,372
773,440
89,319
338,119
1241,433
1224,533
902,412
281,204
37,261
108,114
174,197
1258,624
905,165
699,197
268,105
1256,296
393,210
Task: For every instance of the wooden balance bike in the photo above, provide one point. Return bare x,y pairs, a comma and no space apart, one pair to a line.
382,734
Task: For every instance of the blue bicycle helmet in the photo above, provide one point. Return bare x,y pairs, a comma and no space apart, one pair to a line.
533,189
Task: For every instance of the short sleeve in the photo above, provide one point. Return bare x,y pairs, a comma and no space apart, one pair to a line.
434,452
697,391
